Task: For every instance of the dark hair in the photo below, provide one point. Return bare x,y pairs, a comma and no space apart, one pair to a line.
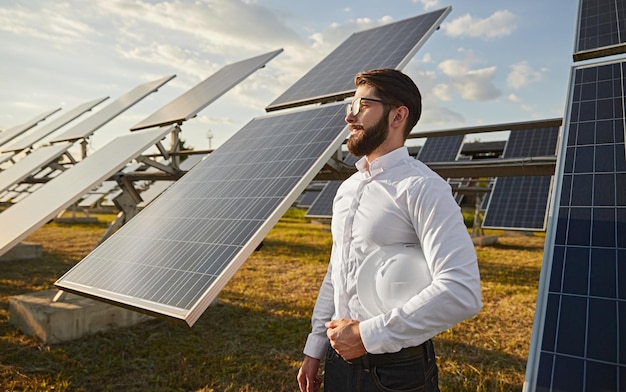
396,87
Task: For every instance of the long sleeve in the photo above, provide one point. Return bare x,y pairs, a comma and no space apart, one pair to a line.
317,341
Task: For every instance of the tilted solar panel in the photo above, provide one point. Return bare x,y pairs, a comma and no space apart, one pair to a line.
388,46
30,163
322,207
578,335
521,203
194,100
28,140
97,120
9,134
21,219
601,29
441,149
175,256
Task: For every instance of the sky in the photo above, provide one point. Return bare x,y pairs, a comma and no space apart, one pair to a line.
491,61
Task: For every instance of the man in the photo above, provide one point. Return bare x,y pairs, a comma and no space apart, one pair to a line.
392,199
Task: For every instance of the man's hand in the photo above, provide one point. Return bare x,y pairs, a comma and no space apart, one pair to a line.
345,338
307,376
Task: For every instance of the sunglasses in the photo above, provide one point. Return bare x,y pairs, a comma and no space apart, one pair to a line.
355,106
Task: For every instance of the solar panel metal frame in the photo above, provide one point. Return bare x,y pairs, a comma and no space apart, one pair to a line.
13,132
616,13
19,220
525,200
27,165
30,139
580,302
191,102
301,91
97,120
250,155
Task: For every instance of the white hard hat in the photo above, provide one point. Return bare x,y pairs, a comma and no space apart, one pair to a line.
391,275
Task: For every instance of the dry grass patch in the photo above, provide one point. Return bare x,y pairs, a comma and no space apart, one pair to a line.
251,339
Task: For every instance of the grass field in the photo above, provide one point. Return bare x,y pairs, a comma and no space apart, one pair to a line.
251,340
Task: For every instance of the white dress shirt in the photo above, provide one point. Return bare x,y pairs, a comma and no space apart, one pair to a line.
397,200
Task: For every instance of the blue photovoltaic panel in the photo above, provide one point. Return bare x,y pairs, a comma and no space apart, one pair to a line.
97,120
322,207
521,203
193,101
176,255
601,29
388,46
577,342
441,149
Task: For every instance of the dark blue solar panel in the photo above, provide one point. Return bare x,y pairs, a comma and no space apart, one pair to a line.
522,202
322,207
601,28
441,149
388,46
577,343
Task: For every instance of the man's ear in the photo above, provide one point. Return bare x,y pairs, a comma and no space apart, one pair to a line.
400,114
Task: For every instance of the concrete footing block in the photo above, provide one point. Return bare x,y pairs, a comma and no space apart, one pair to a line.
23,251
485,240
71,317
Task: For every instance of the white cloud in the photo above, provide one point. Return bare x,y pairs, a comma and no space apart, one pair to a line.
471,84
427,4
522,74
514,98
499,24
442,92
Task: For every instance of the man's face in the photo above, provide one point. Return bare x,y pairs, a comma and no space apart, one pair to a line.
369,127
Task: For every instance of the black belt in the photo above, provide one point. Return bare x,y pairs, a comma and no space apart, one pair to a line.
369,361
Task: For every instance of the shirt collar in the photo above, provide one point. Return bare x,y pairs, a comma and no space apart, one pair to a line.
380,164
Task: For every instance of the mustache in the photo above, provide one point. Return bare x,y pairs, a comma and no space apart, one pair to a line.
355,127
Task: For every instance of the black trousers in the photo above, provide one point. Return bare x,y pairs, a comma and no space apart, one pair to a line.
410,369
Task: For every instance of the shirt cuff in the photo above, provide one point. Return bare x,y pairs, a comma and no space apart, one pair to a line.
316,346
372,336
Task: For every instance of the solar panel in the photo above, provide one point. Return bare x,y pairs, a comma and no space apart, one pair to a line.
441,149
601,29
92,123
322,207
388,46
33,161
158,187
521,203
30,139
21,219
174,257
9,134
191,102
577,342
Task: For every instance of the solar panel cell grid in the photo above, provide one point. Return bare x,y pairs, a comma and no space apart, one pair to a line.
388,46
584,302
601,23
441,149
522,202
175,256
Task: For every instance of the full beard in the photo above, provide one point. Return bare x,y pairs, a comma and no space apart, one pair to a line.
366,141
